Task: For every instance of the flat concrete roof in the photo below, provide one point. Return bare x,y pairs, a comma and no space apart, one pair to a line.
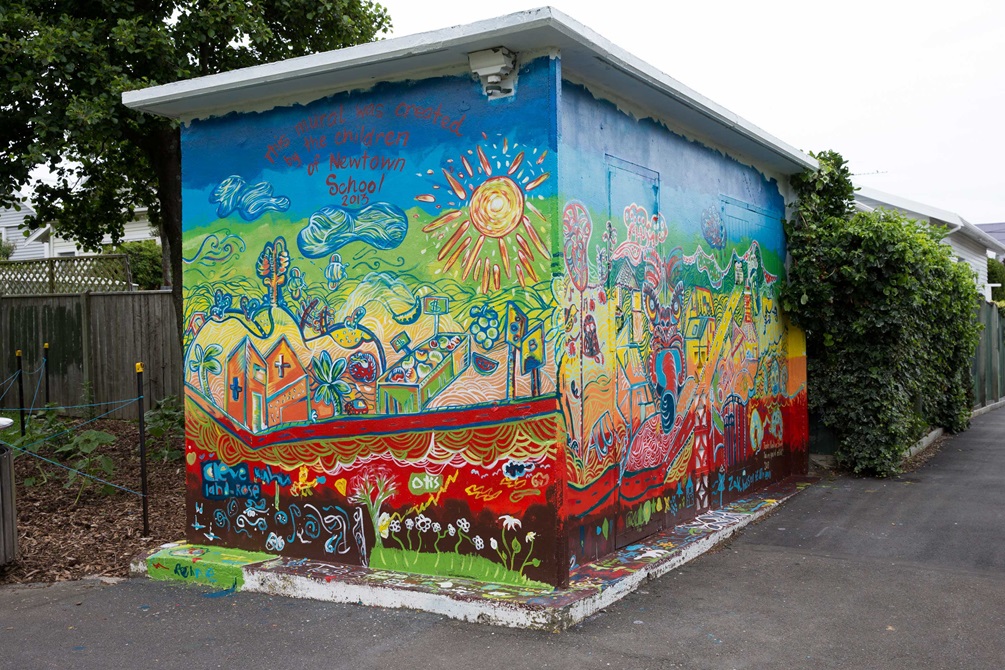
587,58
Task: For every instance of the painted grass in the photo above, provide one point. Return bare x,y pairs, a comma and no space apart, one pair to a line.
467,566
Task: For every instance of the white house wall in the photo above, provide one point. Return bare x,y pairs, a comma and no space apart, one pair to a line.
975,255
133,231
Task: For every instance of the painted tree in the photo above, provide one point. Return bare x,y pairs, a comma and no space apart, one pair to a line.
273,266
372,489
65,64
204,362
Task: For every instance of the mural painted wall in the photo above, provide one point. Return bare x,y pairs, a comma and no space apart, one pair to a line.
425,333
369,319
681,385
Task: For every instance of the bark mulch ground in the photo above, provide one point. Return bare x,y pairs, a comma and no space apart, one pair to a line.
61,537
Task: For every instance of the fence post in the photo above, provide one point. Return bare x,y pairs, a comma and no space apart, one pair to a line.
52,274
45,364
85,339
20,389
143,448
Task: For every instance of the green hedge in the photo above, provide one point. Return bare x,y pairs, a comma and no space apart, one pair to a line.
889,319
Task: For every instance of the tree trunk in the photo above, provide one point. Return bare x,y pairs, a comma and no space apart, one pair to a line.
167,162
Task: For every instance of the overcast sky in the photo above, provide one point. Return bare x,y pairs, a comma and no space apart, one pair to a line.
911,93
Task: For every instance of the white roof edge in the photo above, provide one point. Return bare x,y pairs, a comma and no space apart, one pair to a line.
659,80
39,232
189,98
149,99
963,226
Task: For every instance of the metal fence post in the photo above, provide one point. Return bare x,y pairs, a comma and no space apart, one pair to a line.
20,389
45,364
143,448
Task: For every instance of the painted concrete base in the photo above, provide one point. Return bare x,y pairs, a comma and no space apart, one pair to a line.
592,586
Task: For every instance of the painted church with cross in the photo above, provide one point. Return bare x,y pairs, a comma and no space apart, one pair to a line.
267,390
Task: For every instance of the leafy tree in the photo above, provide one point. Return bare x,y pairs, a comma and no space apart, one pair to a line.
65,64
889,320
144,262
996,275
6,250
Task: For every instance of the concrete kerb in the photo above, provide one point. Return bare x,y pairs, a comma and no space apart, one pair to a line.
928,440
987,408
592,587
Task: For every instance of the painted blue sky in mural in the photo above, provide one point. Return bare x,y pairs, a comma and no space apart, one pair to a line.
388,144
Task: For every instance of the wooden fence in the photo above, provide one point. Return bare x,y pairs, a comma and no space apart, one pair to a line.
95,341
989,360
107,272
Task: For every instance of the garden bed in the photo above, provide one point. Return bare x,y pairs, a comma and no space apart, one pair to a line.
68,533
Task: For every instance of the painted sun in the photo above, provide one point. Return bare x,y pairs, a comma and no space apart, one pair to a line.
486,228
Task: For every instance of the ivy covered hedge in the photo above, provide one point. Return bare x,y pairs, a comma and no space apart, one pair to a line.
889,320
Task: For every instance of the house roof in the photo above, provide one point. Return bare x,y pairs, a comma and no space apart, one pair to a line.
956,224
995,230
586,57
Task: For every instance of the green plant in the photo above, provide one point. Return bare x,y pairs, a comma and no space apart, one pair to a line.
165,425
1000,304
144,262
996,275
82,455
6,250
329,388
87,396
889,320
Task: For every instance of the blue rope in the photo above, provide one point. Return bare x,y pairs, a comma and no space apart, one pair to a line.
65,467
35,397
79,425
54,407
10,379
25,450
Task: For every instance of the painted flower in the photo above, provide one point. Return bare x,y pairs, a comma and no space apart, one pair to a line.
409,523
423,523
436,526
451,530
395,526
384,524
510,522
463,525
479,545
530,536
492,541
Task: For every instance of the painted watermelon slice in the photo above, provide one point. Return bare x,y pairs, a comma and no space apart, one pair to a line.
483,364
